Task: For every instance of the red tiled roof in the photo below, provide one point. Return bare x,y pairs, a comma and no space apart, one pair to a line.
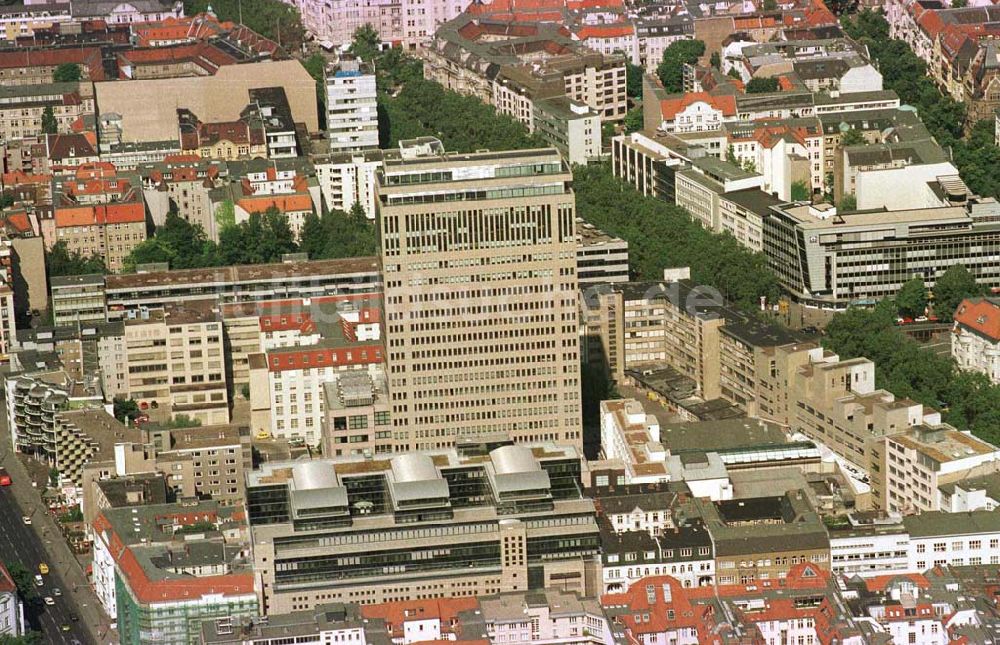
100,215
397,614
19,222
614,30
88,57
6,582
284,203
980,315
669,108
301,358
302,322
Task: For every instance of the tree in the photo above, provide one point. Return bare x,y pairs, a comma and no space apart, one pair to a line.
59,260
49,123
125,410
959,4
272,19
53,477
762,85
316,66
178,242
800,191
23,580
67,73
851,137
365,44
633,120
263,237
733,74
715,60
951,288
633,80
662,235
182,421
678,54
848,203
339,235
770,5
911,300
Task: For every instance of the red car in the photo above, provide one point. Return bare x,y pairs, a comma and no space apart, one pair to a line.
4,477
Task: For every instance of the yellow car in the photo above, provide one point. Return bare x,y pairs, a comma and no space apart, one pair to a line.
43,568
262,435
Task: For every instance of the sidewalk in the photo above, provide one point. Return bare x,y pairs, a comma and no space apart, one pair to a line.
44,525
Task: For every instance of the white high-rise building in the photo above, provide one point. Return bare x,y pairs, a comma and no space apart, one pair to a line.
351,111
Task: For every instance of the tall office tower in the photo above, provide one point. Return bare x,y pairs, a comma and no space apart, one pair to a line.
351,112
478,255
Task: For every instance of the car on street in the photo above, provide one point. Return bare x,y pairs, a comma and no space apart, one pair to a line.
43,568
65,627
27,520
57,592
74,617
49,601
39,581
4,477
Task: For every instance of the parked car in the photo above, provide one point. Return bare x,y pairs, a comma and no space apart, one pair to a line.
43,568
57,592
49,601
39,581
27,520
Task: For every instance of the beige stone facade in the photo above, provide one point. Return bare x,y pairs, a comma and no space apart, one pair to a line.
479,261
175,364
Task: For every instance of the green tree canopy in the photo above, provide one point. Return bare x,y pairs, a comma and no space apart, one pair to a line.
339,235
800,191
762,85
633,120
951,288
67,72
851,138
272,19
715,60
662,235
848,203
365,44
179,242
633,80
675,56
911,300
59,260
49,123
125,410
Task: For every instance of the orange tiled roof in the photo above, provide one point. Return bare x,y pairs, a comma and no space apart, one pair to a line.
980,315
669,108
397,614
284,203
615,30
100,215
300,358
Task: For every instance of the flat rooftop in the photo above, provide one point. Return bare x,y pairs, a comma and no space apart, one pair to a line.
808,217
720,435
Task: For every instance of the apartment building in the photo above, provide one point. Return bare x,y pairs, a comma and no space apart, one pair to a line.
357,408
573,127
219,456
600,258
175,363
499,357
289,379
908,469
636,326
632,437
183,185
240,284
698,188
77,299
35,397
98,212
346,179
325,623
975,341
763,538
22,107
812,248
160,570
11,606
548,616
544,64
84,436
649,160
241,138
953,539
485,518
684,552
351,116
806,606
868,171
868,549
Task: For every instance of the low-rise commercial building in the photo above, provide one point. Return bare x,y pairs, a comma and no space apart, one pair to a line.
77,299
953,539
483,518
908,468
573,127
600,258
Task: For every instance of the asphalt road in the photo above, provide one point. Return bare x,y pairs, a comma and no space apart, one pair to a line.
20,543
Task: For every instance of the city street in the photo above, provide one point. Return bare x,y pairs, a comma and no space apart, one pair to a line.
43,542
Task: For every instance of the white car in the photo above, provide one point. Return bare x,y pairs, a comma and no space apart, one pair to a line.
38,580
57,592
49,600
27,520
